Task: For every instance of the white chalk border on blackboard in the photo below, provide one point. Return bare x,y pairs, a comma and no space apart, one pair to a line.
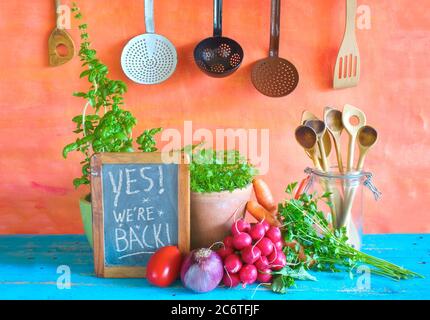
97,162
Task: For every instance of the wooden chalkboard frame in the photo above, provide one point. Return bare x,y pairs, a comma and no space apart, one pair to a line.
97,162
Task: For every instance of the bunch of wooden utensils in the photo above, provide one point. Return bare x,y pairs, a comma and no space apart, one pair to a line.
314,136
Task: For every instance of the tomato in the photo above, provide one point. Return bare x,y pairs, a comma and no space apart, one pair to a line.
164,266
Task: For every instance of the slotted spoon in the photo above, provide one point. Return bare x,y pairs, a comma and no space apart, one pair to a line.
275,76
218,56
149,58
347,69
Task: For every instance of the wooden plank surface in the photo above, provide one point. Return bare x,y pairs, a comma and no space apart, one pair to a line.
28,270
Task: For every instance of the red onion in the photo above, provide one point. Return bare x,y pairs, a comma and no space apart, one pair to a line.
202,270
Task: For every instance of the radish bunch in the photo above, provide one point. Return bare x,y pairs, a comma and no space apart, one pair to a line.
251,252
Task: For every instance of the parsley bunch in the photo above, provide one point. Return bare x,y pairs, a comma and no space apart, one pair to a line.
216,171
324,249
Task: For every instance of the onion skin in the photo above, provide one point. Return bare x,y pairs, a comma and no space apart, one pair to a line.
202,270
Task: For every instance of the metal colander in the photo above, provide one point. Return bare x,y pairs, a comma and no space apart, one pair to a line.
149,58
218,56
274,76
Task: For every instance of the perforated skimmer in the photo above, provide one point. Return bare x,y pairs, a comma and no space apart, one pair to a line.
149,58
274,76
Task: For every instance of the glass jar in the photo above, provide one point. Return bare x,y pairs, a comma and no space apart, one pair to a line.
346,197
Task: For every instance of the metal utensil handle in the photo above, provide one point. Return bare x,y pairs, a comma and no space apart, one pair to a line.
274,28
217,18
149,16
351,12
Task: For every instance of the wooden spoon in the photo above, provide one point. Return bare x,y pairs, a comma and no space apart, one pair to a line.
307,138
57,38
367,137
307,115
333,122
349,114
320,130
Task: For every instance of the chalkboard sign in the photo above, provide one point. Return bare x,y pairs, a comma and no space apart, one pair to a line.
140,204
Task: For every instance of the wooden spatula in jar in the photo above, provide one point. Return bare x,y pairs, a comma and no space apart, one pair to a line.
347,69
59,37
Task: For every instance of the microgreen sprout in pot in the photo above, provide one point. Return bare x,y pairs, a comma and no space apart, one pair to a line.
217,171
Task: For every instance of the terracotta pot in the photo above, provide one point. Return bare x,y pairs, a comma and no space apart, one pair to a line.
212,214
87,218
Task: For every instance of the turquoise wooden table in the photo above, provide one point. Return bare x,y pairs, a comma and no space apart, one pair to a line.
33,267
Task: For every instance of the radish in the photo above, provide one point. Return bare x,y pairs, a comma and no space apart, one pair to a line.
274,234
248,274
228,241
262,263
240,226
257,231
264,276
250,254
232,263
224,252
230,280
241,240
266,225
266,246
279,262
279,245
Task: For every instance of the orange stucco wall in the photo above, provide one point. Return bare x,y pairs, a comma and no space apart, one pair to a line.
36,106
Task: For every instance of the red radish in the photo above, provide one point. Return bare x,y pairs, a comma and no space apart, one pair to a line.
250,254
264,276
240,226
228,241
248,274
279,262
262,263
232,263
266,246
224,252
266,225
257,231
271,257
230,280
274,234
241,240
279,245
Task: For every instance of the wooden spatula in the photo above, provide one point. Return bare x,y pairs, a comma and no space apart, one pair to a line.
57,38
347,69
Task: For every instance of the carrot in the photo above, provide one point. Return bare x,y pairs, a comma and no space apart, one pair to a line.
301,187
260,213
264,196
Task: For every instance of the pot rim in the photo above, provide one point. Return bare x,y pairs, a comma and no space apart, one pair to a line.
216,194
